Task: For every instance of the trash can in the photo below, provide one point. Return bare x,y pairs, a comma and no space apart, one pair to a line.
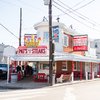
53,79
48,78
13,77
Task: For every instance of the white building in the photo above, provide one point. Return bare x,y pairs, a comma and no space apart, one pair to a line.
96,44
3,57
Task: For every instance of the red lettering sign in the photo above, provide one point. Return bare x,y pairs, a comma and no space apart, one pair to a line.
41,50
80,43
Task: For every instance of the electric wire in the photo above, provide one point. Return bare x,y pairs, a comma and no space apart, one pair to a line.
85,5
75,18
79,14
8,30
78,3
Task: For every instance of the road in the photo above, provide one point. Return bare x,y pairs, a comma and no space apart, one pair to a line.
82,91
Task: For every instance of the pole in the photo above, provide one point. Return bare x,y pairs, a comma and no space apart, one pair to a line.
20,30
50,45
72,71
81,71
8,74
91,69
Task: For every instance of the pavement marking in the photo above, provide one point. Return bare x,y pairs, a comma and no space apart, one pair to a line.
69,95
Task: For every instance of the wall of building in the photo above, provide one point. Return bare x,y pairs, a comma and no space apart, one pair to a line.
59,67
43,28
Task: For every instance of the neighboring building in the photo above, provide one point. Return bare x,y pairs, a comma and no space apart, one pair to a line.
3,58
91,51
96,44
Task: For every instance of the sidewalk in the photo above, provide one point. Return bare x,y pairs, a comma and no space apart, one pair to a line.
23,84
33,85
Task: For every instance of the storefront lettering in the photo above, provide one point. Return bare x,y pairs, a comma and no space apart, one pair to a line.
30,51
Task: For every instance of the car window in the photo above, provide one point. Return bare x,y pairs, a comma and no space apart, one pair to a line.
3,67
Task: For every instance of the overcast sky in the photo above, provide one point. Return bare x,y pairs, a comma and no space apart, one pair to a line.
83,15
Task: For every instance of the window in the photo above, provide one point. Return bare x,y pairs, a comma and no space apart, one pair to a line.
64,66
77,66
45,66
65,42
46,37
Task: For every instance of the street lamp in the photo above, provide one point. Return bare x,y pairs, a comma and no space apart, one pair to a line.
51,51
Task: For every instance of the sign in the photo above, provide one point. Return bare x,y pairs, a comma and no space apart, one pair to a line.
55,31
23,50
80,43
31,40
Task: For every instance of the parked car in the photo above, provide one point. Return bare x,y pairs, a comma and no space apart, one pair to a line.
3,71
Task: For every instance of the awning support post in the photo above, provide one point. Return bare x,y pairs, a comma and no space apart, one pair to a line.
80,70
72,71
8,62
91,70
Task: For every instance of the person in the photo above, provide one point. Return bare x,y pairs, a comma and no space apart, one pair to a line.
23,69
18,68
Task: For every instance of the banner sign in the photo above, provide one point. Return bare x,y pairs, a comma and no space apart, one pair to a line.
40,50
31,40
55,33
80,43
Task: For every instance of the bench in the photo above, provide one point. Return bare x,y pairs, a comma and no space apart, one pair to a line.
64,78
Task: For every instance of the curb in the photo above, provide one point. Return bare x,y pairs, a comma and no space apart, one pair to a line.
55,85
74,82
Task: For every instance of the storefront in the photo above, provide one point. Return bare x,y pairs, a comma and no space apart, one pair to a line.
77,67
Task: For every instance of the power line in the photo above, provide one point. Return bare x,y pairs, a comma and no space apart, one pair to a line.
85,5
8,30
75,18
78,3
74,13
79,14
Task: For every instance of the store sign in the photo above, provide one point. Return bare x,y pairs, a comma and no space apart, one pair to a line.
55,31
23,50
80,43
31,40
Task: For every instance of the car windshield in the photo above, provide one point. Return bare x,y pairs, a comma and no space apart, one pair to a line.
3,67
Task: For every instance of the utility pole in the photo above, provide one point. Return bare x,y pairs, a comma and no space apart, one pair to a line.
20,29
50,45
51,51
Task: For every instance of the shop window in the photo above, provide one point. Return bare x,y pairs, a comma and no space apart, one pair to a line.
77,66
64,66
46,66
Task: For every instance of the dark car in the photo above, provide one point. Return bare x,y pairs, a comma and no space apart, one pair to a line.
3,71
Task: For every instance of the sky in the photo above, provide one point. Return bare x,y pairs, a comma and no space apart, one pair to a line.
83,15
